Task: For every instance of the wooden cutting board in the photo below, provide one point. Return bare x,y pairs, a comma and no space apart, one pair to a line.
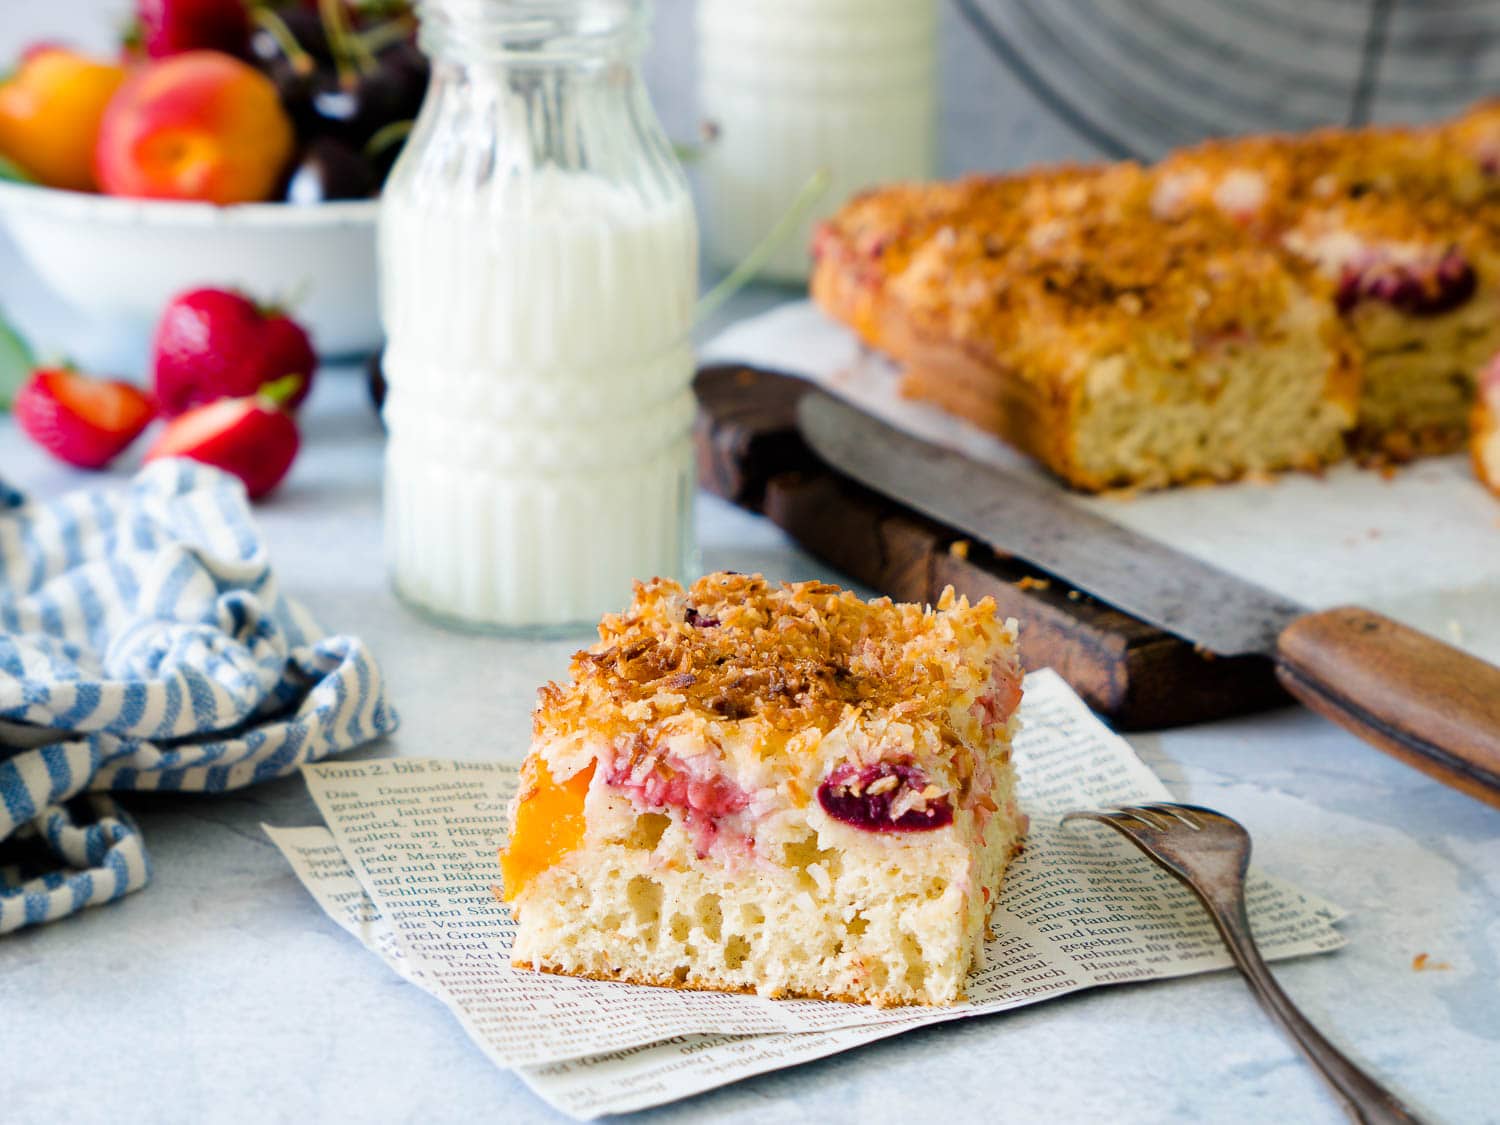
750,453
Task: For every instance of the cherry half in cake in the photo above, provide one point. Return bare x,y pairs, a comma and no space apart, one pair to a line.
779,789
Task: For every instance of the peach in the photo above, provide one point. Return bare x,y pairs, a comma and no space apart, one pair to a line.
200,125
549,824
50,110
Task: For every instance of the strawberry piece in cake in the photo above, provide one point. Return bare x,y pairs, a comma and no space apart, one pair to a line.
779,789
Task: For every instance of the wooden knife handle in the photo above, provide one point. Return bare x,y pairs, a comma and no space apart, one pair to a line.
1429,704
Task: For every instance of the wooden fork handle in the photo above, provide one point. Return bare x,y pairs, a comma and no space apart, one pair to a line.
1425,702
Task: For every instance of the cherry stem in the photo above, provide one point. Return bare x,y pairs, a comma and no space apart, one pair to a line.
270,21
388,135
331,12
384,35
280,391
345,41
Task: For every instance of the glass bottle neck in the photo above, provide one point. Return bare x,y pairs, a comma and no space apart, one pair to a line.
542,33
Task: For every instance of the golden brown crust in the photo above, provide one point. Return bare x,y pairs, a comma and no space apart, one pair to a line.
689,984
938,366
1078,288
795,656
1271,182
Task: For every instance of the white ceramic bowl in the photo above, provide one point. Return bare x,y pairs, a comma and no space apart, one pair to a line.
117,262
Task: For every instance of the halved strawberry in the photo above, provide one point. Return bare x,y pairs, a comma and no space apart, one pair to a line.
253,437
84,421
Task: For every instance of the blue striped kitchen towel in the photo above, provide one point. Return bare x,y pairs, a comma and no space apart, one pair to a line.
144,644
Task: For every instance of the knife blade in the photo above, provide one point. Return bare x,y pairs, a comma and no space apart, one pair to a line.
1144,577
1425,702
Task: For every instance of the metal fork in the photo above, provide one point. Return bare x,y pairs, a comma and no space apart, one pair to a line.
1210,853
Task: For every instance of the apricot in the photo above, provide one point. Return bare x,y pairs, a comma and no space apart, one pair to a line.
549,824
50,111
199,126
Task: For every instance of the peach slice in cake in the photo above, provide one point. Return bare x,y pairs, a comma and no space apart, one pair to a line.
780,789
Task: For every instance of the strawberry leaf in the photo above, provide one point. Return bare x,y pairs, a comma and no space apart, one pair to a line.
280,391
16,363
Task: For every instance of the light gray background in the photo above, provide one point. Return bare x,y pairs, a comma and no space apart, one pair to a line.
221,994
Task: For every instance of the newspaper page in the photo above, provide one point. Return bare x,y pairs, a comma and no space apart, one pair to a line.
1080,908
616,1082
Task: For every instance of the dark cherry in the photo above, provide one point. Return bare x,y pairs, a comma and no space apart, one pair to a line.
1416,291
408,71
330,169
295,76
845,795
355,109
306,26
295,89
699,620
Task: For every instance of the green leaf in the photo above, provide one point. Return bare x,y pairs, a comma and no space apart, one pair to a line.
16,363
10,170
280,391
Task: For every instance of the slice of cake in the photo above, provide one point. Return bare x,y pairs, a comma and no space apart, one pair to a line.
778,789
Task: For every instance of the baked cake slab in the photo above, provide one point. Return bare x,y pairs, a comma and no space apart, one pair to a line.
777,789
1246,305
1118,348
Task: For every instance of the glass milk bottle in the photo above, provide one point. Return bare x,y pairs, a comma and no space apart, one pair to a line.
792,87
538,261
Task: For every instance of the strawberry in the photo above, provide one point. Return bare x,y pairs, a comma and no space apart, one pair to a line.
169,27
212,343
84,421
252,437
